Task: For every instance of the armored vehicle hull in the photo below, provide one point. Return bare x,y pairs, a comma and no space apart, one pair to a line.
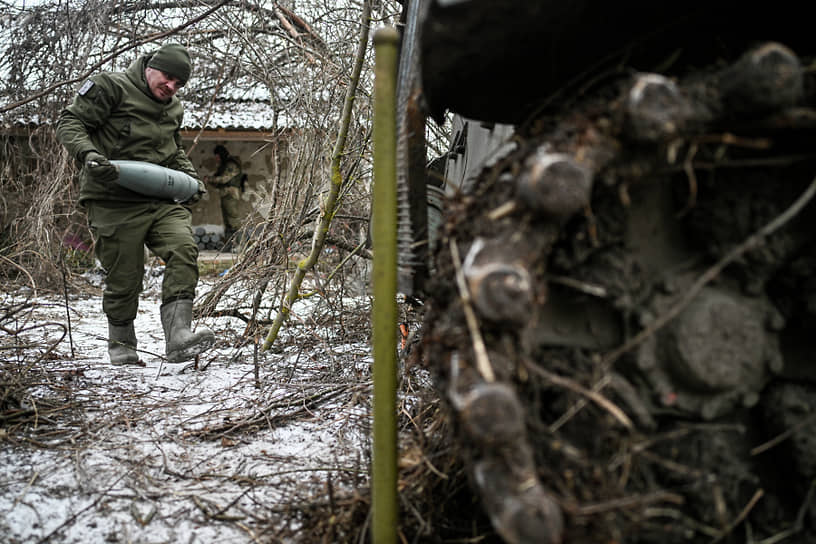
619,298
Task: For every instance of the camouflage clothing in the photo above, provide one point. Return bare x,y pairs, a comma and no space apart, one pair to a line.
117,116
228,183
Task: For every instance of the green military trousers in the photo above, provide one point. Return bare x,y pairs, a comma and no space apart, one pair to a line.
230,199
121,231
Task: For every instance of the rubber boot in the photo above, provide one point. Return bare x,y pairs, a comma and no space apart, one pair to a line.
181,344
122,344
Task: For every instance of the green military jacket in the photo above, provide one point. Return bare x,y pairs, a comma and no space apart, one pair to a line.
115,114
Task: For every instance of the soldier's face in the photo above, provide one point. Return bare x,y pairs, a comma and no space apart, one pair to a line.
162,85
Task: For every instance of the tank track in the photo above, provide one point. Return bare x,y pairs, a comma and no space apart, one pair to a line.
621,311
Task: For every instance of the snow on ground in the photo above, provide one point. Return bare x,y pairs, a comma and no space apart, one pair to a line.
173,453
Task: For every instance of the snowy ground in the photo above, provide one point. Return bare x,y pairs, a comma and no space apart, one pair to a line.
173,453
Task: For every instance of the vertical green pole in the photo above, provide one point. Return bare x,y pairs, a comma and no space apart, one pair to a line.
384,280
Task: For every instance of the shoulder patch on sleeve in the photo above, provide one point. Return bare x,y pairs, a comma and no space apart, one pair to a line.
85,87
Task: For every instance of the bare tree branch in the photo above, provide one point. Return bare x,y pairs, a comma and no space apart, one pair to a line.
99,64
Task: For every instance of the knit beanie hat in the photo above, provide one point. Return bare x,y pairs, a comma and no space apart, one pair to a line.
172,59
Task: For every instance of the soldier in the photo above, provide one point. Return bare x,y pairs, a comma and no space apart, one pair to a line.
229,180
135,115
